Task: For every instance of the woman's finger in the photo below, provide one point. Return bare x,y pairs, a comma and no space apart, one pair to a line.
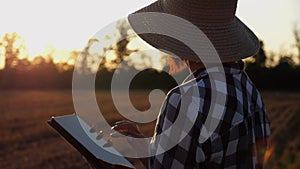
125,126
120,133
124,122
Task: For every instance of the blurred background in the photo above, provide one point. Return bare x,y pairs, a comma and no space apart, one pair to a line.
40,42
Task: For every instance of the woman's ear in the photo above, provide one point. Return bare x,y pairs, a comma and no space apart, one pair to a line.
176,65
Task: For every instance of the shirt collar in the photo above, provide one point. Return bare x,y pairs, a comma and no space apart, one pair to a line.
235,68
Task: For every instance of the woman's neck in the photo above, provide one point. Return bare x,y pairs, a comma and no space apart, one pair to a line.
194,66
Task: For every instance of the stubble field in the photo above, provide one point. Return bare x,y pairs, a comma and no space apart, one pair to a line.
27,142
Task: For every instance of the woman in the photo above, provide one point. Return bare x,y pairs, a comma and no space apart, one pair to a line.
240,137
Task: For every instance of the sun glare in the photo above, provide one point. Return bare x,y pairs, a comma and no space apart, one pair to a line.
268,154
111,55
137,43
56,55
61,56
19,43
148,56
147,59
2,58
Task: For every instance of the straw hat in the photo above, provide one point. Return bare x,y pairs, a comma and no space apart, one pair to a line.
232,39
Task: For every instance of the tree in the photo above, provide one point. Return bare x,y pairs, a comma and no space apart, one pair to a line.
120,47
297,40
87,59
260,57
286,63
15,49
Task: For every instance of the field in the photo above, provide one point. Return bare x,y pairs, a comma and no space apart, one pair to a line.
27,142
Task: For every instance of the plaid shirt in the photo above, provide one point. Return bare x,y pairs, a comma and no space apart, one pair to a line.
238,142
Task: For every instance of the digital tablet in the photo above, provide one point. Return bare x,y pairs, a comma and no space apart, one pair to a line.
71,127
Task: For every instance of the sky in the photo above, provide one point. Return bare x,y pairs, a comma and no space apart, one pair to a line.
68,25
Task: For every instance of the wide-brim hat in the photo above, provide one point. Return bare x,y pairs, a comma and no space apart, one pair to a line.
231,38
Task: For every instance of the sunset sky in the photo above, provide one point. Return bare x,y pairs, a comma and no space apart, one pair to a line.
69,24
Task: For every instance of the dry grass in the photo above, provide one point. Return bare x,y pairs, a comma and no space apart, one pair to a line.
26,141
284,112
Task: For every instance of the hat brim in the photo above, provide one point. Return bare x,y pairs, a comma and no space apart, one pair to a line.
233,40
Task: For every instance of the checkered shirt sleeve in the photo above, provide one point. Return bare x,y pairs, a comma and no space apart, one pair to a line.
239,140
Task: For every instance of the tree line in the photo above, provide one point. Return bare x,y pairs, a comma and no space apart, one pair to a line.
43,73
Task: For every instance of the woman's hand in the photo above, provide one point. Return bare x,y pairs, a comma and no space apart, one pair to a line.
130,129
126,128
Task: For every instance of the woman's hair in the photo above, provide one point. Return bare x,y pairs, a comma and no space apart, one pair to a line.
176,65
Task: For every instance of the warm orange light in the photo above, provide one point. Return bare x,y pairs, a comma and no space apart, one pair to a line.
20,45
111,55
268,153
138,43
2,58
61,56
2,62
57,56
